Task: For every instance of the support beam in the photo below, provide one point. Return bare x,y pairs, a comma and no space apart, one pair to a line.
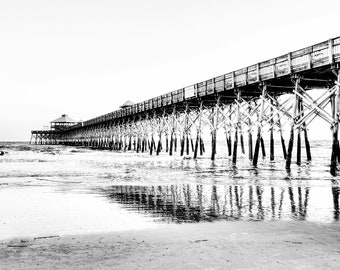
283,144
298,146
260,118
213,133
335,128
199,131
237,126
214,124
229,133
271,140
250,136
291,139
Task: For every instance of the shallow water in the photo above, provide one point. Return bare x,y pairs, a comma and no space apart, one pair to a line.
56,190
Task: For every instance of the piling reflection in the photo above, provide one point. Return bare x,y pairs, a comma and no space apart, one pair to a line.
195,202
335,193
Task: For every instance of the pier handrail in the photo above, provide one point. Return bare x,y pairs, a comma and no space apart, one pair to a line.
321,54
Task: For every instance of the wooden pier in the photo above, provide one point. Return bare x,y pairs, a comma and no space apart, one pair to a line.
244,103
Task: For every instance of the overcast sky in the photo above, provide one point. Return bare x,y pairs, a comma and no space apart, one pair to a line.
85,58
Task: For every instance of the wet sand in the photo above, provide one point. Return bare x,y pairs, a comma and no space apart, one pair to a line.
218,245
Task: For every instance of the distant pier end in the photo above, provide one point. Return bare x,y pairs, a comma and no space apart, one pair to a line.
54,135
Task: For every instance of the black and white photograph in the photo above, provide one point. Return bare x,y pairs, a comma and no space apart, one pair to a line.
175,135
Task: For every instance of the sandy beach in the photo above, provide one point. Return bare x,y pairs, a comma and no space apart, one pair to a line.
84,209
220,245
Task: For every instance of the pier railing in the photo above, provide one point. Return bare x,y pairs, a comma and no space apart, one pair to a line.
312,57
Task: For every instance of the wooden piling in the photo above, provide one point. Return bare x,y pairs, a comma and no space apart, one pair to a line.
213,136
185,138
242,143
213,145
171,143
187,144
263,147
335,128
283,144
250,136
142,142
159,146
271,140
138,145
257,147
202,148
149,145
307,145
199,131
171,147
290,148
259,137
130,144
298,146
229,133
145,145
192,144
250,145
167,143
121,144
175,142
228,138
291,139
214,123
237,126
182,145
152,144
196,145
235,146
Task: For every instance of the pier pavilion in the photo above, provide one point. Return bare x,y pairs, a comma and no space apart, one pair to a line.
54,134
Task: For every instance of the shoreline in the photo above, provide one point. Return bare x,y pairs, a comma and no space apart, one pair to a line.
218,245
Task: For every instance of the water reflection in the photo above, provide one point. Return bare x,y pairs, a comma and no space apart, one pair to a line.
39,211
335,193
196,202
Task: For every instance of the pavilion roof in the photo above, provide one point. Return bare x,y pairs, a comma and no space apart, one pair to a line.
64,119
127,104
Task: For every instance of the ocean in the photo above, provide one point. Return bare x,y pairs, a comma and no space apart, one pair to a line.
59,190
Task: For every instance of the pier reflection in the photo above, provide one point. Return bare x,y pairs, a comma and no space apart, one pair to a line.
195,202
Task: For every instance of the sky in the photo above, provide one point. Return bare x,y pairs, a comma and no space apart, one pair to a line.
85,58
